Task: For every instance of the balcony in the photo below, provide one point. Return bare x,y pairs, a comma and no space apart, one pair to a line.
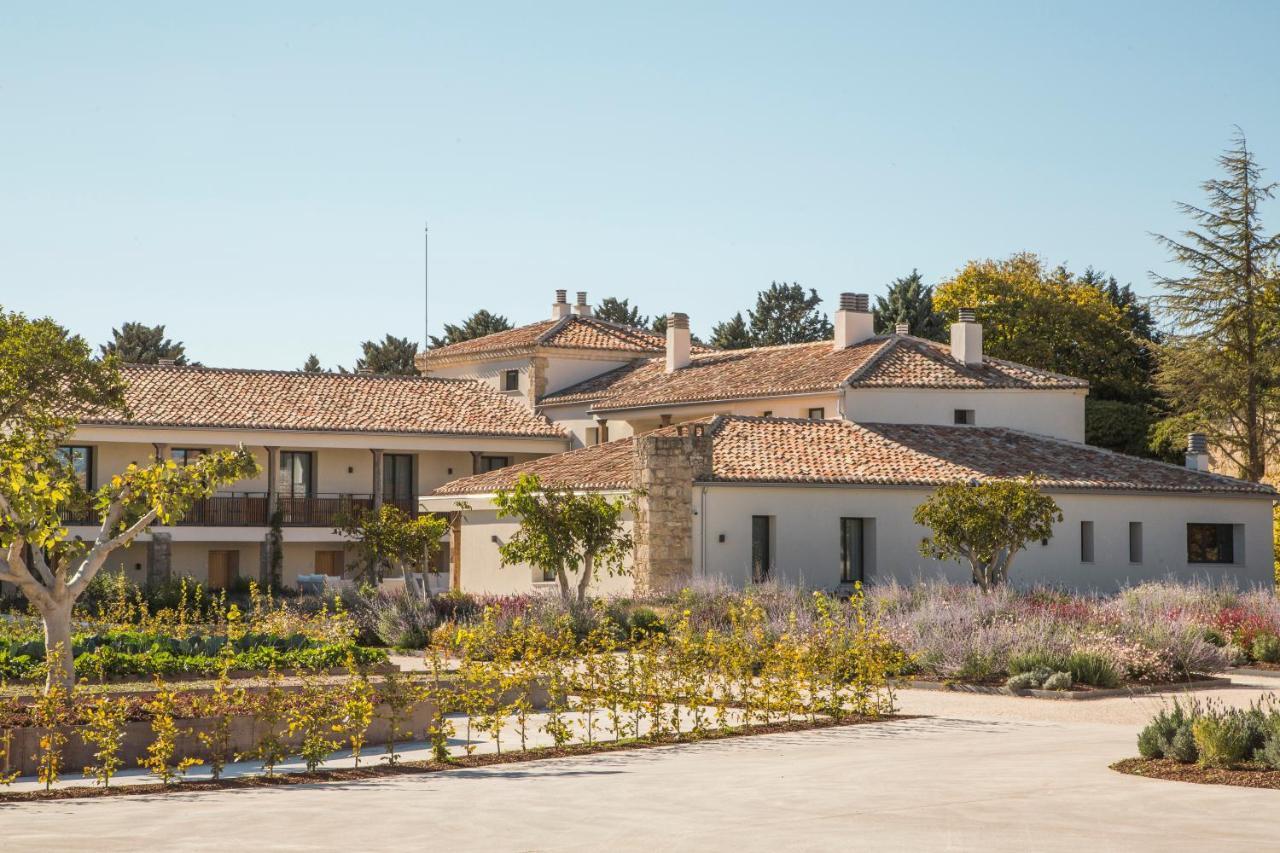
249,509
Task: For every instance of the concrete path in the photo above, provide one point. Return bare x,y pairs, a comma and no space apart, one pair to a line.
987,773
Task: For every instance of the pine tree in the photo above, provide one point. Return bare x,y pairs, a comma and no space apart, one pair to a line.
784,314
391,355
312,365
138,343
1221,362
477,325
731,334
910,301
659,325
620,311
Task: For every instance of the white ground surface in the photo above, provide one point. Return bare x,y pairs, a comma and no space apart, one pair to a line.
982,773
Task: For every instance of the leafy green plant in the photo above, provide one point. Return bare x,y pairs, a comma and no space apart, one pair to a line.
1221,739
314,713
1266,648
270,710
104,728
50,714
162,758
397,695
1093,669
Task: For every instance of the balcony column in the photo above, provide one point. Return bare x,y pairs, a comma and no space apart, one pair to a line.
377,478
162,451
603,435
266,570
475,461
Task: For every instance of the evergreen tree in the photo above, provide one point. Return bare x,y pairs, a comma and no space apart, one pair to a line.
312,365
1222,362
138,343
659,325
621,312
731,334
477,325
910,301
784,314
390,356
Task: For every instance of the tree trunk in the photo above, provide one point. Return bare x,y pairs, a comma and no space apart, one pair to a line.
57,644
587,560
564,584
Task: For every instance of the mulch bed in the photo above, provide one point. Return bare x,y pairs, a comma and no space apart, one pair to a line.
411,768
1246,776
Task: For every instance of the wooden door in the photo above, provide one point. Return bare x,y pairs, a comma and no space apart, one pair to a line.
330,563
224,569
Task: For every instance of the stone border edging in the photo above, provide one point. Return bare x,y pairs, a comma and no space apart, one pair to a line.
1254,672
1063,695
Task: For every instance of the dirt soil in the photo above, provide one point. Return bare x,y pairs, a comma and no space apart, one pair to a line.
1247,776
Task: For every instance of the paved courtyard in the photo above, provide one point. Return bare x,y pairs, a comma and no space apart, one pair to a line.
985,773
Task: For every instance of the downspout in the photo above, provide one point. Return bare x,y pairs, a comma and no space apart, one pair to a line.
702,530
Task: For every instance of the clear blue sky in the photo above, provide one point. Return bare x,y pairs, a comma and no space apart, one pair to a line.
256,176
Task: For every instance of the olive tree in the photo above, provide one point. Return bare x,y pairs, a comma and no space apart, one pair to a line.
47,379
390,537
562,532
986,524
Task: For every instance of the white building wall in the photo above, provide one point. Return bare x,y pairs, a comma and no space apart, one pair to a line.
1054,413
483,572
575,420
806,539
563,372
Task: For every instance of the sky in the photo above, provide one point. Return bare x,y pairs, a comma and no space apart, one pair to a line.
257,177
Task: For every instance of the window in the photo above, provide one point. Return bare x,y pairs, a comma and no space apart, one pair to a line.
330,563
80,460
493,463
593,436
768,413
295,474
511,380
853,550
964,417
1135,542
817,414
224,569
186,455
397,478
761,548
1086,541
1211,543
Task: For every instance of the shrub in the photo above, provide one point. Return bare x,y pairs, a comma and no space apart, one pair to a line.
1269,754
645,622
1038,659
1222,739
1058,681
1151,741
1183,745
1160,737
1093,669
1022,681
1266,648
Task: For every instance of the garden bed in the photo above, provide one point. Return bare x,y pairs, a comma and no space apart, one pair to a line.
405,768
1245,776
1079,692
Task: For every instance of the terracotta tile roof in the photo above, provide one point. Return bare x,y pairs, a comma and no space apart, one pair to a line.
268,399
572,332
785,450
896,361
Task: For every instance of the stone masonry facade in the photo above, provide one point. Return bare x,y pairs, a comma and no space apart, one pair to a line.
666,467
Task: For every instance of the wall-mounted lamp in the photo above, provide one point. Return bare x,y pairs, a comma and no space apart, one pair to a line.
350,469
721,537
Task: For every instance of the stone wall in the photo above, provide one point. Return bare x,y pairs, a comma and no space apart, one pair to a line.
665,469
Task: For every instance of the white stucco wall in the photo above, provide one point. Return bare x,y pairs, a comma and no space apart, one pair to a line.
806,540
575,420
1055,413
483,572
563,371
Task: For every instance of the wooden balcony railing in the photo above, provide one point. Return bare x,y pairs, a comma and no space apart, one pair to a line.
249,509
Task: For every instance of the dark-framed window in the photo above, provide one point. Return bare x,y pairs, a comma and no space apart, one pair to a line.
853,550
965,417
79,457
767,413
1211,543
297,471
397,477
186,455
761,548
1135,542
493,463
817,413
511,380
1086,541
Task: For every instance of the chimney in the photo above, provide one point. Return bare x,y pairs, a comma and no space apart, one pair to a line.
560,308
966,338
1197,452
677,342
902,329
664,471
854,321
582,309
